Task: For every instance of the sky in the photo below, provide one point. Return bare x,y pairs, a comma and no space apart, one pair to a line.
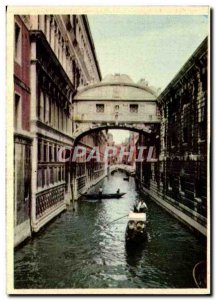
154,47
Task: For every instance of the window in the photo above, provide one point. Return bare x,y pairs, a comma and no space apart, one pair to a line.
116,107
185,134
202,113
17,46
50,153
199,184
134,108
17,112
45,152
39,151
202,132
170,182
55,153
173,138
182,183
100,108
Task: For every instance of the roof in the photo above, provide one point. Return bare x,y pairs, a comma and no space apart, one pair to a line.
116,87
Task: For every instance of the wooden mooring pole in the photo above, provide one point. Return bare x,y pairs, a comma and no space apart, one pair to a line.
72,195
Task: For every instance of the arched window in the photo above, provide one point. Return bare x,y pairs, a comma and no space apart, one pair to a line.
116,107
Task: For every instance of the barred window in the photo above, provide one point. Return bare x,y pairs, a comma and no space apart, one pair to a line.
134,108
202,113
99,108
182,182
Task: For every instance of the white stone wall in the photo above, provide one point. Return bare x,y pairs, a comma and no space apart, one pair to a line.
86,111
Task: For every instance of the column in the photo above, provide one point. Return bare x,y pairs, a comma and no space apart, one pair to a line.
55,39
70,66
48,28
52,33
64,56
48,169
44,106
59,48
34,22
41,106
34,134
42,23
47,109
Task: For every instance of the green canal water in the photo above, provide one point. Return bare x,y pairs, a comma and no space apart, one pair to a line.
78,250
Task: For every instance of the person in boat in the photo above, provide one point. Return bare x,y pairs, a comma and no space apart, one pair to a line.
118,191
141,207
100,190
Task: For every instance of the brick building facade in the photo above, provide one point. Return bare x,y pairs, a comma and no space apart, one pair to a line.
22,137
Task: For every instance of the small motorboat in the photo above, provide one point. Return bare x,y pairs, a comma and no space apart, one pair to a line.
103,196
136,228
199,274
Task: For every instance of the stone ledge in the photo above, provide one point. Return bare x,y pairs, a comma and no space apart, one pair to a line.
51,213
178,214
22,232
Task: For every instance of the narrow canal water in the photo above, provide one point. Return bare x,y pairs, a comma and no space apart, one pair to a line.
78,250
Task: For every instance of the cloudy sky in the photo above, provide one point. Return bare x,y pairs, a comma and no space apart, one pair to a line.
146,46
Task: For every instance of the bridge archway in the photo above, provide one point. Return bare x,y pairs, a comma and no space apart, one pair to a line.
147,131
114,103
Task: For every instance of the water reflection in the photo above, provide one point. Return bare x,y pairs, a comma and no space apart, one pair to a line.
134,255
84,249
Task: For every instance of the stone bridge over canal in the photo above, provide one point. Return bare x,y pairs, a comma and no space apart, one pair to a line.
115,103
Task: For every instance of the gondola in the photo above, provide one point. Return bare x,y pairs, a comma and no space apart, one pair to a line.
126,178
103,196
199,274
136,232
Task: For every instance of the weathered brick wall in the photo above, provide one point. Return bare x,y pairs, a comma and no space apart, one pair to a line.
22,142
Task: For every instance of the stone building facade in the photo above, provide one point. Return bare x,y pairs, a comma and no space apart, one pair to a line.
58,56
179,177
87,170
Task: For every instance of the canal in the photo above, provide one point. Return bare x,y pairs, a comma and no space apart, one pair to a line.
79,250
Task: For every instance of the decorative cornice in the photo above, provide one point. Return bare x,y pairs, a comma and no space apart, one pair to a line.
88,31
21,84
100,84
38,35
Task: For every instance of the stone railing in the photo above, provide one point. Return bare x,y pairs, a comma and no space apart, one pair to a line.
48,199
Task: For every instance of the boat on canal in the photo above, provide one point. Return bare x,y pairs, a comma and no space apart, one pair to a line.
126,178
199,274
103,196
136,228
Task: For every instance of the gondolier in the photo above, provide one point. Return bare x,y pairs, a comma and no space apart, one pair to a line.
141,207
100,191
